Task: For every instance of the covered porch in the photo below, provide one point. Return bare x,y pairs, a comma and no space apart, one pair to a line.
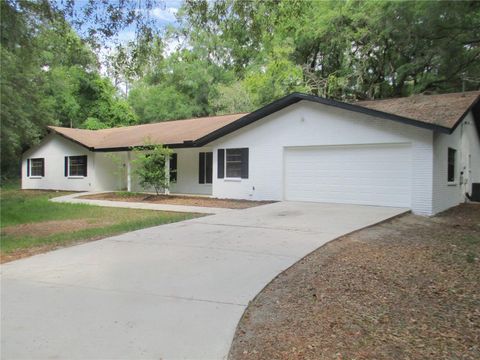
190,171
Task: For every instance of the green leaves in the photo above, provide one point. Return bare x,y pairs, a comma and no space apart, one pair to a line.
226,56
346,49
49,77
150,167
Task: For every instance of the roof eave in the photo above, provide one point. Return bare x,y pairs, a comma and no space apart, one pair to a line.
184,145
296,97
90,148
470,108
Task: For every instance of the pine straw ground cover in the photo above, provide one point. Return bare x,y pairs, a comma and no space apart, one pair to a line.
405,289
176,200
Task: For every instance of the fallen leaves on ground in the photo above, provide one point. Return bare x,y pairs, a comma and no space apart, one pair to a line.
408,288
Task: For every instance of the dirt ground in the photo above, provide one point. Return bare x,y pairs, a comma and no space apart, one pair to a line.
46,228
405,289
177,200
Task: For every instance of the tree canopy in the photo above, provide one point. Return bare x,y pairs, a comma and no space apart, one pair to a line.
242,54
49,76
219,57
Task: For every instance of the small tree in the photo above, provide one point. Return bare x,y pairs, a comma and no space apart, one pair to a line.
150,167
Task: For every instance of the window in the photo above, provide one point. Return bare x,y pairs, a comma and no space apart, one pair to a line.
205,167
452,154
173,168
36,167
235,161
76,165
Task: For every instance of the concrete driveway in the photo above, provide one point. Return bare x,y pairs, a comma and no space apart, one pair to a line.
174,291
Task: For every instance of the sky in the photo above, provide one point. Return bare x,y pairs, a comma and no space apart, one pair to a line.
163,13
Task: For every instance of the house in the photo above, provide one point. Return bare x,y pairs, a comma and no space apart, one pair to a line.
420,152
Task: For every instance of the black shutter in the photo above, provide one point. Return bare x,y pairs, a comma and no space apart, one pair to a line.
28,167
201,168
244,163
209,167
221,163
86,165
43,167
173,168
66,166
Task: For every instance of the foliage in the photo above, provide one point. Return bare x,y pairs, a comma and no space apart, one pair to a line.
49,77
238,55
279,77
150,167
177,87
231,99
228,56
347,49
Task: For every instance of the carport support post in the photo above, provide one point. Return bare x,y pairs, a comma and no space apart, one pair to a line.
167,174
129,171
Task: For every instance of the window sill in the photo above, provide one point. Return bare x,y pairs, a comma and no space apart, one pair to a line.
233,179
454,183
36,177
76,177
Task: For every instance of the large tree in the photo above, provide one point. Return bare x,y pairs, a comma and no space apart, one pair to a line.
229,56
348,49
49,77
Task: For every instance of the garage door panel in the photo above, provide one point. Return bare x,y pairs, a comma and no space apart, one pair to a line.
356,174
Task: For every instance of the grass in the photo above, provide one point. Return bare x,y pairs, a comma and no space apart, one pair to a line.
30,223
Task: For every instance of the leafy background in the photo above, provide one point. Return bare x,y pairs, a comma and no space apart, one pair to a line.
68,63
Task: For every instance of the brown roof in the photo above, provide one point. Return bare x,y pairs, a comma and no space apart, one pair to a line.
443,110
168,132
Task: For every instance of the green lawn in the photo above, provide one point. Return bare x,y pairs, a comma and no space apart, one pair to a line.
30,223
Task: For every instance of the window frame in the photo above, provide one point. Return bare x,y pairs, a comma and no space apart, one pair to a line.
452,176
42,168
77,176
240,162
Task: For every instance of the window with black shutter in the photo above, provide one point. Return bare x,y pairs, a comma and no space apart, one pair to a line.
452,154
205,167
37,167
77,165
236,163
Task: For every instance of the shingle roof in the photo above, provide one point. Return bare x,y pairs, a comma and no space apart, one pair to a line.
434,112
168,132
443,110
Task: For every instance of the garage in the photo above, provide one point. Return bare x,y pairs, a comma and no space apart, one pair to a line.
349,174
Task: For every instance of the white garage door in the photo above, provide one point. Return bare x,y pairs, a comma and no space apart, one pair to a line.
353,174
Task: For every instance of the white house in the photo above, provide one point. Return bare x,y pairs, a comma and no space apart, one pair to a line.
421,152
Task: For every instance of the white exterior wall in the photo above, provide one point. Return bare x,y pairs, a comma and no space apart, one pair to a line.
110,171
465,139
187,173
53,149
311,124
106,171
